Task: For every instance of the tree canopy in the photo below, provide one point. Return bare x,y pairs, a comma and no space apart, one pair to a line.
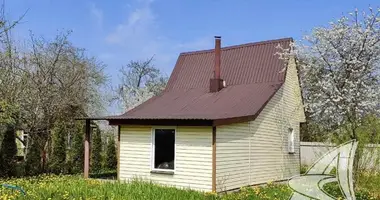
339,70
140,81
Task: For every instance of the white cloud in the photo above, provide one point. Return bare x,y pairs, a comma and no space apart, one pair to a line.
97,14
139,37
136,27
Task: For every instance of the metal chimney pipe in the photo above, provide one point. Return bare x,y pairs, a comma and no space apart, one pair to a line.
217,57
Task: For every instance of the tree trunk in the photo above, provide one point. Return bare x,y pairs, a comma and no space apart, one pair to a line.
355,172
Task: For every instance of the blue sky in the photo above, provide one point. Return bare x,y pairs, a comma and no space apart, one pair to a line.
117,31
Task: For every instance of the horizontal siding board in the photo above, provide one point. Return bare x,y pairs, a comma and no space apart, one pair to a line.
256,152
270,159
232,156
193,157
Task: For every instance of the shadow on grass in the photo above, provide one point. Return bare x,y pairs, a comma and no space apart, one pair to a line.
111,175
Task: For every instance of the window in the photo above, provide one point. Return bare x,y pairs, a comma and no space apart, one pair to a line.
291,138
163,149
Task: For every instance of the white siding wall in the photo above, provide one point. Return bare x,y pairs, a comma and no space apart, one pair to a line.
232,156
257,152
193,157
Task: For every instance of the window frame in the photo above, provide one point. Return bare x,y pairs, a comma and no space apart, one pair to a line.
291,141
152,152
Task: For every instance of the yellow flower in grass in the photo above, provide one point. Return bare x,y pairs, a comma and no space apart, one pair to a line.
256,190
93,182
211,193
66,195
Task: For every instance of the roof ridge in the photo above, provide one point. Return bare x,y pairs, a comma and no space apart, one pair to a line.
239,46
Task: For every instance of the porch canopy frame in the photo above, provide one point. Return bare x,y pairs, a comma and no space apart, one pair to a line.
156,122
118,122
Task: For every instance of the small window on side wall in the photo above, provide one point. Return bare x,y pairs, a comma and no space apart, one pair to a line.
163,149
291,140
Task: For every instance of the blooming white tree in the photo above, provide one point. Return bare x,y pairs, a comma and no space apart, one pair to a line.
140,81
339,70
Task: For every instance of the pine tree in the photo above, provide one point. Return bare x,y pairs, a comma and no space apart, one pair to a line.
8,153
77,149
33,158
57,160
111,159
96,158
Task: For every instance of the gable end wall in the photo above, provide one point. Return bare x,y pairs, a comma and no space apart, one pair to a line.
256,152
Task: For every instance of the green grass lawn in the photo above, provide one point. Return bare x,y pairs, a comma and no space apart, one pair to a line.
75,187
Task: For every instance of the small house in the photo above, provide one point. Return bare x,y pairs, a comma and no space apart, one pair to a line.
228,117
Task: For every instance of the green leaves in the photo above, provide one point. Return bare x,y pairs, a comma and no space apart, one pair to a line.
58,155
111,159
8,152
96,149
8,113
76,152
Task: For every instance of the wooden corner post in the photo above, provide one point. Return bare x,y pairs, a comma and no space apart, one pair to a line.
118,152
87,149
214,158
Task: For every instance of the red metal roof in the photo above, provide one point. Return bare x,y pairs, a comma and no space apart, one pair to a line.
253,74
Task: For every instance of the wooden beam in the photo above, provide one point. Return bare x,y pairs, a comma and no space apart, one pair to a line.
118,152
214,158
87,149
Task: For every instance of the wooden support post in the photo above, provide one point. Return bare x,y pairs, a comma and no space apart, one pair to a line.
118,152
214,159
87,149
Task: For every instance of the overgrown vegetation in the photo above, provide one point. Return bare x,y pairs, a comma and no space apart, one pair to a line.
111,155
8,153
96,149
33,160
76,152
47,84
74,187
58,155
367,187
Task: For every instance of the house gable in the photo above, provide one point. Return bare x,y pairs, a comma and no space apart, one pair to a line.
252,74
256,152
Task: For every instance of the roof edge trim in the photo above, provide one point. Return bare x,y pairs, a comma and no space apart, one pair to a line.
238,46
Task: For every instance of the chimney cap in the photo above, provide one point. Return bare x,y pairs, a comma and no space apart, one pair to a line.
218,37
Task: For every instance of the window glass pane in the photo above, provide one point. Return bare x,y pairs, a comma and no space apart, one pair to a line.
164,141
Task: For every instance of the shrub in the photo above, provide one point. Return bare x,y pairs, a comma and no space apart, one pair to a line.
334,190
57,160
96,151
111,157
20,169
8,153
33,158
76,153
304,169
